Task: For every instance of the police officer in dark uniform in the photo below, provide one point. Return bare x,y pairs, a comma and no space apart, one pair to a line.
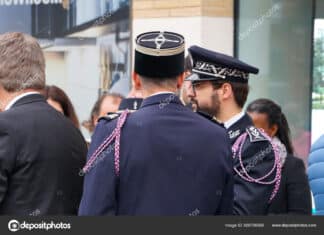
220,89
154,161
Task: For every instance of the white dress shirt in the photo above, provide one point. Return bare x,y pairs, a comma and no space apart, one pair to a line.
233,120
14,100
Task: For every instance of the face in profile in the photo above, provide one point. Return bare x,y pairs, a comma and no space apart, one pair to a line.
56,105
109,105
204,97
186,88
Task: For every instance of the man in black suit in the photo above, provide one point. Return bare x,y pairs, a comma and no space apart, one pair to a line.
41,151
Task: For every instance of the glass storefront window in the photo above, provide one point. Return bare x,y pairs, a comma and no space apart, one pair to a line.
318,73
276,36
86,44
84,11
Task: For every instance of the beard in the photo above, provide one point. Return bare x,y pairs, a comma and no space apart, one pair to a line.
212,108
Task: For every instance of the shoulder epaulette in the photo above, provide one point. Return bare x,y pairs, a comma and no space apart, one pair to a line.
256,134
109,117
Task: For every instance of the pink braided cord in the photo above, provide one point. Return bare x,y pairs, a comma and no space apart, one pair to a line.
120,124
237,149
114,135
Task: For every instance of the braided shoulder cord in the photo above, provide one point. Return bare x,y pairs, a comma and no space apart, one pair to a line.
120,124
115,135
237,152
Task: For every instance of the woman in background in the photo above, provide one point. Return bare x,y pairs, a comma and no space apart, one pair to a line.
57,98
107,103
294,195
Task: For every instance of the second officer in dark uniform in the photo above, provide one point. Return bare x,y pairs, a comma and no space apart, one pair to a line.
220,89
155,161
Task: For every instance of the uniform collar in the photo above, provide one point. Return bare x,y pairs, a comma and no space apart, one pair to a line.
161,93
130,104
233,120
19,97
161,99
239,127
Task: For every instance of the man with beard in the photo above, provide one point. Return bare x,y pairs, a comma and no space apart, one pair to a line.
186,90
220,89
150,162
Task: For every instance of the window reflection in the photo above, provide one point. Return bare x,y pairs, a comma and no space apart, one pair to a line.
82,11
276,36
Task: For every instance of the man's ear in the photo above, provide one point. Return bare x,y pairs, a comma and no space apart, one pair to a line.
180,80
137,81
227,90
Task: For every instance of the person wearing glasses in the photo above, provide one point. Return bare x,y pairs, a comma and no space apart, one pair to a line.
186,89
220,89
154,161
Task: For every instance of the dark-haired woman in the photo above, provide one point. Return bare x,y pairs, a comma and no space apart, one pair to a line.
294,195
57,98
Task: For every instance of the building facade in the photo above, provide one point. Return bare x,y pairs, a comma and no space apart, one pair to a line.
277,36
88,47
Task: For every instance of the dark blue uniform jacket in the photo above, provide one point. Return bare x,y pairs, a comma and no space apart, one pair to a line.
172,162
258,158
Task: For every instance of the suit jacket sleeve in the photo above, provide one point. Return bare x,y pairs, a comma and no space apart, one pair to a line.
299,197
99,190
7,159
226,204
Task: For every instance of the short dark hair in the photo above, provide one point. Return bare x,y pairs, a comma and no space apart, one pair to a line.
275,117
240,91
158,81
188,63
88,124
97,106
